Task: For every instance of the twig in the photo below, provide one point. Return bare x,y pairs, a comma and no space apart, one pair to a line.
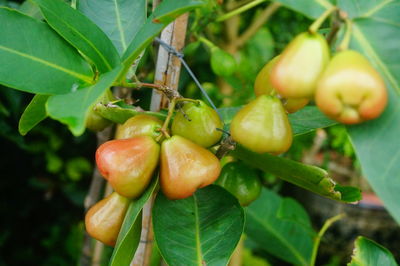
257,23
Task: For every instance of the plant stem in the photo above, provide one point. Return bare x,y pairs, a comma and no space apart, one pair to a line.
164,129
207,42
240,10
317,23
344,45
321,233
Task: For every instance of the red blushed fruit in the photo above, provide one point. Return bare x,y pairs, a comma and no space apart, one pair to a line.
185,167
104,219
351,90
128,164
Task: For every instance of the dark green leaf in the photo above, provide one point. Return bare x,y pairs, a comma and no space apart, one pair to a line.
72,109
82,33
162,16
310,8
279,235
368,253
119,19
34,113
129,236
304,121
35,59
308,177
119,112
376,33
200,230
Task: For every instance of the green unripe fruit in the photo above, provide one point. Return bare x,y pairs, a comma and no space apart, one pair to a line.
139,125
200,124
263,86
241,181
262,126
96,122
222,63
351,90
297,70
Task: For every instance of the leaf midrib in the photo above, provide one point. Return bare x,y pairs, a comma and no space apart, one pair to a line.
197,228
86,79
279,237
376,8
119,25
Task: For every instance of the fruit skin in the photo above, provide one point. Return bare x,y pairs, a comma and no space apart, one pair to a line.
96,122
128,164
262,85
185,167
296,72
351,90
262,126
222,63
139,125
241,181
104,219
202,127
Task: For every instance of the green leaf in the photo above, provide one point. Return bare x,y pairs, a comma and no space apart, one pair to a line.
203,229
82,33
290,239
161,17
31,10
308,177
376,33
34,113
119,112
119,19
367,253
309,8
129,236
36,59
73,108
303,121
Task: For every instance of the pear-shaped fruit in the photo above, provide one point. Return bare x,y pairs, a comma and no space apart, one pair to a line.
128,164
222,63
263,126
297,70
185,167
263,86
351,90
198,122
241,181
96,122
104,219
139,125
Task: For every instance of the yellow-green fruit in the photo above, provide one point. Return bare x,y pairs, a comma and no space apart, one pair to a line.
222,63
198,122
139,125
350,89
263,126
96,122
262,85
296,72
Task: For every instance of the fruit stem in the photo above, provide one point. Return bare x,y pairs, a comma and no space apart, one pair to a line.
344,45
207,42
197,102
321,233
164,129
318,22
240,10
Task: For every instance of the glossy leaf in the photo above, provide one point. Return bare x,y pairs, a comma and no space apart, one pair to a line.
310,8
37,59
308,177
119,112
280,226
367,252
34,113
304,121
119,19
129,236
82,33
200,230
376,142
166,12
72,109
